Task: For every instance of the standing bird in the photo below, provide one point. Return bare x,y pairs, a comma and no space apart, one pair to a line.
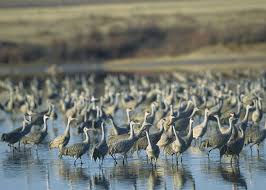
181,144
223,135
142,142
76,150
259,139
123,146
37,137
152,150
100,151
16,135
234,145
200,130
257,114
62,139
116,129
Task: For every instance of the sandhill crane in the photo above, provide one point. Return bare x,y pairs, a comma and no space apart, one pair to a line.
200,130
123,146
115,138
37,137
234,145
152,150
223,135
259,139
182,123
62,139
76,150
181,144
101,149
257,114
16,135
142,142
116,129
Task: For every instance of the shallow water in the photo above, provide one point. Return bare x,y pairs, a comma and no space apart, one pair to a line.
29,170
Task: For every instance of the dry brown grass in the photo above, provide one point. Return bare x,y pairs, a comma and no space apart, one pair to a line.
125,30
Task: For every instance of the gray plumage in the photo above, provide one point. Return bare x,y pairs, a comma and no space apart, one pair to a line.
37,137
101,149
62,139
76,150
16,135
142,142
123,146
152,150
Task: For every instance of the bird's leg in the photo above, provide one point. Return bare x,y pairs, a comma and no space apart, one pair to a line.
80,161
19,146
126,158
147,158
114,158
231,161
181,159
177,156
75,161
102,160
210,152
251,149
258,151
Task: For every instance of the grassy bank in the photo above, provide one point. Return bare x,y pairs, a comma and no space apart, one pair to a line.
128,30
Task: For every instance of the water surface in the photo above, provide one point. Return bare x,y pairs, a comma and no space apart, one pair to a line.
28,170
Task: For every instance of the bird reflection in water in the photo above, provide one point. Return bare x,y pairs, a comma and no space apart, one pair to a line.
228,173
181,175
100,181
72,175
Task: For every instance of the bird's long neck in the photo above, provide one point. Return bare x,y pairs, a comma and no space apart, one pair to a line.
128,117
87,138
132,134
242,132
219,124
68,127
149,141
260,105
23,126
190,132
205,121
229,130
152,110
103,134
245,120
44,129
193,113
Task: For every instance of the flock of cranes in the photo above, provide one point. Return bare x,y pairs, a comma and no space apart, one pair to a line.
161,115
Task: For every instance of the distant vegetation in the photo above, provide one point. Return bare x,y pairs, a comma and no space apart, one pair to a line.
111,31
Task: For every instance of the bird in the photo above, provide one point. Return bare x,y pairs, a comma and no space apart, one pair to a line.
181,144
259,139
142,142
76,150
100,151
222,136
62,139
124,145
200,130
152,150
16,135
234,145
37,137
257,114
116,129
